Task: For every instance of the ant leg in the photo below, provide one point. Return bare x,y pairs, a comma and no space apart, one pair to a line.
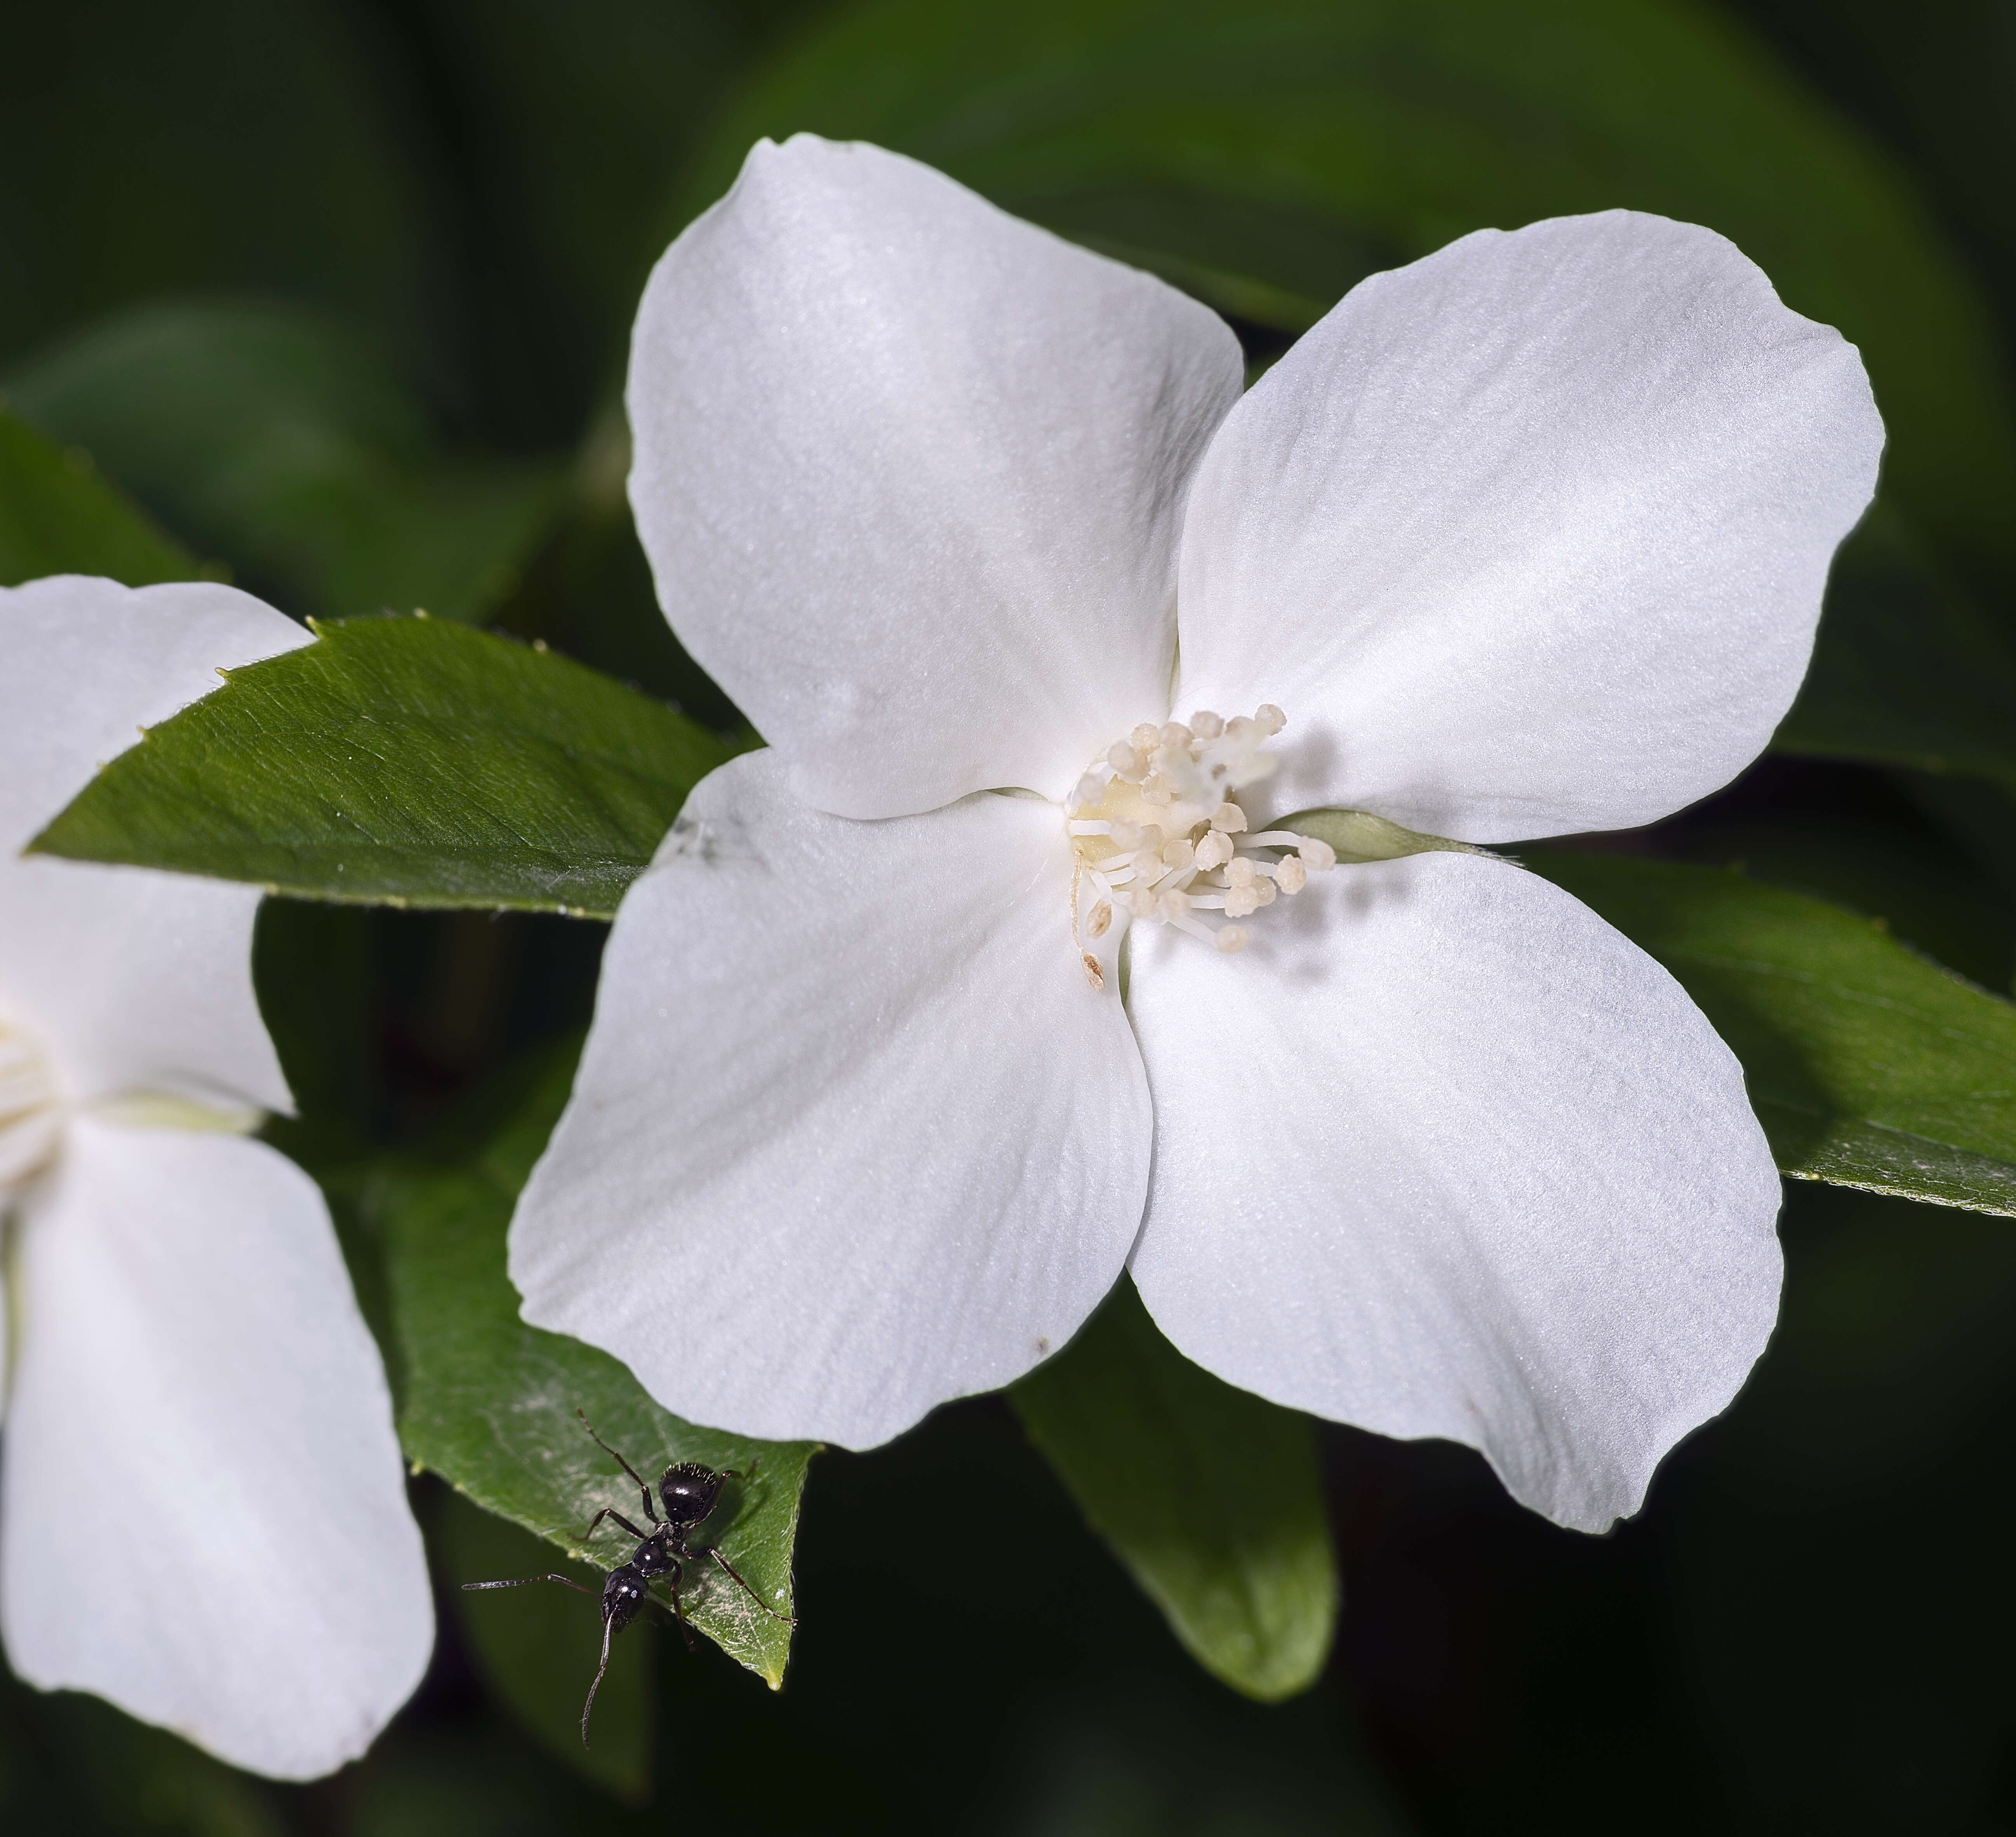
610,1511
677,1611
643,1491
588,1709
737,1473
519,1582
747,1590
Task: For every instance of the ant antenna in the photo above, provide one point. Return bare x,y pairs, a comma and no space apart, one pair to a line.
519,1582
588,1709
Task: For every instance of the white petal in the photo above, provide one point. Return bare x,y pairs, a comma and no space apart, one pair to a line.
131,980
1444,1155
909,473
203,1513
852,1134
1529,538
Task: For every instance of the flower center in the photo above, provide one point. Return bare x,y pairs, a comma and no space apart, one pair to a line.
31,1115
1160,837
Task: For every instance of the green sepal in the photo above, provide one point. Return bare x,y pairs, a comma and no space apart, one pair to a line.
1359,835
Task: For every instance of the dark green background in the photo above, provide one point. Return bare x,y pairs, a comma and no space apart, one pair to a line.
396,247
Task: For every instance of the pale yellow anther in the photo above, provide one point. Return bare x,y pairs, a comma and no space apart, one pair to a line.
1270,718
1239,871
1230,939
1158,789
1213,851
1291,876
1176,736
1178,853
1175,904
1146,738
1242,900
1228,818
1127,763
1206,725
1263,891
1317,857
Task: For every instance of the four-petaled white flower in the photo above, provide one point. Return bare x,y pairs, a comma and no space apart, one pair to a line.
1527,538
202,1508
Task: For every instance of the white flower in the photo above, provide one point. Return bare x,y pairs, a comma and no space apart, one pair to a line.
203,1511
1527,538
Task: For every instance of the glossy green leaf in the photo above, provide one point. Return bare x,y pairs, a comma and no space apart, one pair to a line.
1209,1495
272,437
1869,1065
1297,142
488,1403
537,1649
58,517
407,762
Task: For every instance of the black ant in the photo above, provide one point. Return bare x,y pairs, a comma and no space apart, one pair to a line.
690,1491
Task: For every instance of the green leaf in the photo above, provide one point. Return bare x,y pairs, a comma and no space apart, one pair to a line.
1296,142
404,762
1869,1065
488,1403
272,437
537,1649
57,517
1209,1495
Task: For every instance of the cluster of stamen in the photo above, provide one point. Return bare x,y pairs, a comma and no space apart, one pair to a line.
1158,832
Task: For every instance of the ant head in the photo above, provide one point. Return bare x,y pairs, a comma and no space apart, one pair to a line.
689,1491
623,1595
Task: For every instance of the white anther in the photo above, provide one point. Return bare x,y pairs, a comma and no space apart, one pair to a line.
1088,789
1158,789
1128,764
1241,871
1100,920
1241,901
1146,738
1270,719
1181,853
1230,939
1176,736
1318,857
1291,876
1229,817
1175,904
1140,901
1206,725
1263,891
1126,835
1213,851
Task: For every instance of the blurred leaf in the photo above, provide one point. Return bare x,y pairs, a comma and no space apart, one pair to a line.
1295,142
403,762
269,435
249,144
57,517
1909,670
1869,1066
1208,1494
488,1403
539,1652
